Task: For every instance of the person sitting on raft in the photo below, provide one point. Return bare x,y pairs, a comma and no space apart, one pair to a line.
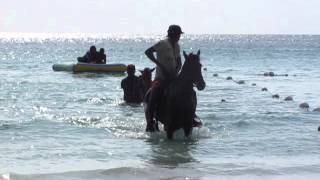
90,56
132,86
101,57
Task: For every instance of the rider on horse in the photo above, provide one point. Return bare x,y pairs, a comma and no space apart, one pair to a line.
168,63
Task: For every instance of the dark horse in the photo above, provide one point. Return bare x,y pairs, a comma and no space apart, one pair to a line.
178,104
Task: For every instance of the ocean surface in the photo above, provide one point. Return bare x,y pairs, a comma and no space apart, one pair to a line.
61,125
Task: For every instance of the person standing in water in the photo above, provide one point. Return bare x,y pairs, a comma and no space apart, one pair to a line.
132,86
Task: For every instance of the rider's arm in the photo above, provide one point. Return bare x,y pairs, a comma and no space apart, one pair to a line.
150,54
178,59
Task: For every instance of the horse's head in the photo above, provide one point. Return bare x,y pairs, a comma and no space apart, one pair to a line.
146,74
192,69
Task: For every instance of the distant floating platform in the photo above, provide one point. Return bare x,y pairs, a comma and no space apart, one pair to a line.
86,67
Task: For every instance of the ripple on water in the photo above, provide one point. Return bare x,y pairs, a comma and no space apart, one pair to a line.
5,126
83,121
242,124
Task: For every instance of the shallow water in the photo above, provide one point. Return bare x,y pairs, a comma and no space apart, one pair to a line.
60,125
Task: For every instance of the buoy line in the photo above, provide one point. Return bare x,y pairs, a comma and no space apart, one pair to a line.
303,105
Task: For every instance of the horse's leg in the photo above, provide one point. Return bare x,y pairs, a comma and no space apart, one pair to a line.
188,123
153,99
148,111
195,123
187,131
156,125
156,119
169,126
170,133
169,129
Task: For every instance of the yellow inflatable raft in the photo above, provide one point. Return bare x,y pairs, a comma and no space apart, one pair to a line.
87,67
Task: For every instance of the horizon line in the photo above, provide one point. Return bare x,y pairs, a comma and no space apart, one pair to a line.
127,35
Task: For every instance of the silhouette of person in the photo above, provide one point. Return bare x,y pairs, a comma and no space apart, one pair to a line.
90,56
132,86
168,63
101,57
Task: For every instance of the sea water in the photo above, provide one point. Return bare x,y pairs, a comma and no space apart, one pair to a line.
61,125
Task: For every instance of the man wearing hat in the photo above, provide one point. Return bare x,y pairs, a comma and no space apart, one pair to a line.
168,61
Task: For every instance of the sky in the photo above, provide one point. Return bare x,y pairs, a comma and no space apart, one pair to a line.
154,16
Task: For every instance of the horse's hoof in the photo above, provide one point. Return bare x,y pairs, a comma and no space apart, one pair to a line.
196,124
170,136
150,128
156,127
